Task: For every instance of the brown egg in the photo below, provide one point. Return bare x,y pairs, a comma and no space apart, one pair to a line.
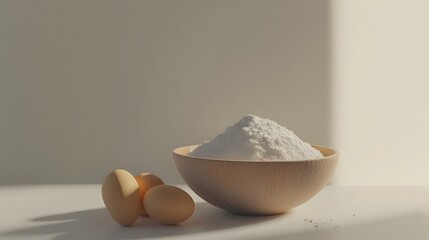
121,195
146,181
168,204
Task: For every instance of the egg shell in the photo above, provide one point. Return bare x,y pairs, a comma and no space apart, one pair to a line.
146,181
168,204
121,195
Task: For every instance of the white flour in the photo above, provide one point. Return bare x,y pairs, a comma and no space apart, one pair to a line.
257,139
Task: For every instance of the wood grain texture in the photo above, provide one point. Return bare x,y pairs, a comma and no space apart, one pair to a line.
255,188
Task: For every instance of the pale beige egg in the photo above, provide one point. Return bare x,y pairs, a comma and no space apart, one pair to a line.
121,195
168,204
146,181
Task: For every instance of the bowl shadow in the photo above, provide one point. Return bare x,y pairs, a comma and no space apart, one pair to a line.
97,224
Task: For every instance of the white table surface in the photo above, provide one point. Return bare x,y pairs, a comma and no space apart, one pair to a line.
72,212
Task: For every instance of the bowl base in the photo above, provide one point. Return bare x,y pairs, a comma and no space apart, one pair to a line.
255,214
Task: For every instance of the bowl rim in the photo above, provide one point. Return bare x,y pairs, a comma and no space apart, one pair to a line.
334,155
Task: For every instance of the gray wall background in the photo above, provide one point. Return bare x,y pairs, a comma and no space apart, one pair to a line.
90,86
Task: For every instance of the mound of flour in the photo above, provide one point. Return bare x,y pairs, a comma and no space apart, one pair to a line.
257,139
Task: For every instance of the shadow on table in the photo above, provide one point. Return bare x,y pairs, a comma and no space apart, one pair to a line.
411,226
97,224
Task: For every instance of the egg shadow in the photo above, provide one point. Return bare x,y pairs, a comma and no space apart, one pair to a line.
97,224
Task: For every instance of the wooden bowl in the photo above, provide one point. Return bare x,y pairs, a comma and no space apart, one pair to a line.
255,188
